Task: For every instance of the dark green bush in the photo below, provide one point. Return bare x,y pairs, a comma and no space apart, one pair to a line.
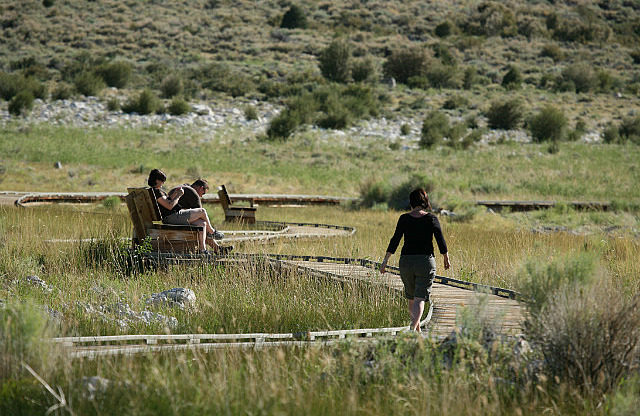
115,74
283,125
435,128
579,78
398,198
145,103
470,78
373,193
250,113
89,84
12,83
549,124
444,54
454,102
513,78
635,55
443,76
363,70
172,86
587,28
505,115
63,91
444,29
405,63
294,18
21,102
553,51
113,104
491,19
630,129
405,129
611,134
179,106
220,77
334,61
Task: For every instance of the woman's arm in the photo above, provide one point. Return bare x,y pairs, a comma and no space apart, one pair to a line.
383,266
171,202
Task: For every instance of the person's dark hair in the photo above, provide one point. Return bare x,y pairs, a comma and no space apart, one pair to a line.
155,175
419,198
200,182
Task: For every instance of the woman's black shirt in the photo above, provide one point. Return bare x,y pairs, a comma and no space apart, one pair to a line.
418,235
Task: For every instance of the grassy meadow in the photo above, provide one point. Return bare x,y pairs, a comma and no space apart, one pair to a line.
329,70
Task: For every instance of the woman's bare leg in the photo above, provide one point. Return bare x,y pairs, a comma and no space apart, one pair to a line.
416,314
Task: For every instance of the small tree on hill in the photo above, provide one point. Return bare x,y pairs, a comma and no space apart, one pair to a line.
294,18
335,61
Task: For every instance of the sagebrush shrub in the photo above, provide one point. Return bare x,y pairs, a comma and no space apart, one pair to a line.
334,61
455,101
435,128
363,70
444,29
250,113
12,83
491,19
89,84
373,192
610,134
179,106
145,103
398,198
405,63
294,18
115,74
549,124
553,51
630,129
579,78
62,91
443,76
172,86
513,78
505,115
21,102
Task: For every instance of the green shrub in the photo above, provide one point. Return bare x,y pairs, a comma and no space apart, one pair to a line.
63,91
491,19
539,280
442,76
145,103
373,193
611,134
89,84
630,129
115,74
455,101
398,198
179,106
363,70
250,113
635,56
549,124
113,104
579,78
220,77
553,51
48,3
23,326
294,18
12,83
444,54
405,63
584,30
21,102
606,82
444,29
334,61
506,115
172,86
283,125
470,78
405,129
111,202
435,128
513,78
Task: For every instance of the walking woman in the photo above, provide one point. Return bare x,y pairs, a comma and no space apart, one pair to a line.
172,212
417,261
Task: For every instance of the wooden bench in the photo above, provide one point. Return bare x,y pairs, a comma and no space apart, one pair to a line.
146,219
235,213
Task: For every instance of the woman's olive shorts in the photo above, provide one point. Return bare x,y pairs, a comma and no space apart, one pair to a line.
417,272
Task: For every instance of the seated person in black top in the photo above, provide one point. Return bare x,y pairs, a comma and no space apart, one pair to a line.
417,261
173,213
191,199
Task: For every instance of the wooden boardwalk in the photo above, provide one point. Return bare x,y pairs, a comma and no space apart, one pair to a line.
504,313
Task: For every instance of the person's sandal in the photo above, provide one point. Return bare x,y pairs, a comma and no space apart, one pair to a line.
216,235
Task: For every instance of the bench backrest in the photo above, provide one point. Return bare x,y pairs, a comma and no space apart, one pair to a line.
223,195
143,210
